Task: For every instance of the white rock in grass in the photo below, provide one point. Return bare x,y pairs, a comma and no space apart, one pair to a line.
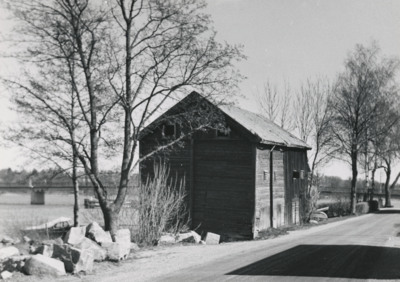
75,260
7,240
46,250
97,234
75,235
99,254
313,221
41,265
167,239
5,275
14,263
135,247
123,236
85,262
116,251
212,238
7,252
27,239
189,237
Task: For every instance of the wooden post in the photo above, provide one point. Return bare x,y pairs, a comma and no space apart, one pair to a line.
271,189
191,183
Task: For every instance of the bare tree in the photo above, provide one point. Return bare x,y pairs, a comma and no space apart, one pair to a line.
286,119
304,110
389,155
51,129
321,123
359,100
313,119
276,104
131,59
269,101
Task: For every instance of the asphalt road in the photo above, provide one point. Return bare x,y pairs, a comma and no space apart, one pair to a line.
362,248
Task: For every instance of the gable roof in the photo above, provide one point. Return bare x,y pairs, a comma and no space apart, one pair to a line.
265,131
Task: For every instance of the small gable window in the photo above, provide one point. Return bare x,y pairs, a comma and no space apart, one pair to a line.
223,133
169,130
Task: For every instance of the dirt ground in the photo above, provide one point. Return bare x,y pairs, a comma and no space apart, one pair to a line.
155,263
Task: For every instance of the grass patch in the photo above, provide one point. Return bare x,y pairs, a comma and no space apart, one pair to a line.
271,233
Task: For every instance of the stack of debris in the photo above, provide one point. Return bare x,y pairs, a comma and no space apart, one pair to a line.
189,237
78,249
75,253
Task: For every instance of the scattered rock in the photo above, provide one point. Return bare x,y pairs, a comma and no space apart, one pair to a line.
7,252
99,254
20,257
135,247
13,264
189,237
97,234
212,238
75,235
313,221
116,251
56,241
46,250
202,242
123,236
5,275
166,239
7,240
16,241
27,240
41,265
75,260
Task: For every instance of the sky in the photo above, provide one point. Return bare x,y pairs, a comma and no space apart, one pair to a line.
283,40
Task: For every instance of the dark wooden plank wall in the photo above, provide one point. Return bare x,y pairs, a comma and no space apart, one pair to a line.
294,160
223,187
177,158
262,205
221,195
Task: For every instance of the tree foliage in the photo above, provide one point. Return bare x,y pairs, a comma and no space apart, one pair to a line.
118,66
364,95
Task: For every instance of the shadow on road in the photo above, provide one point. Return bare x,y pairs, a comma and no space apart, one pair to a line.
336,261
388,211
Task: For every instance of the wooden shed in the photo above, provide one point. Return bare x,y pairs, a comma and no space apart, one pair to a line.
240,180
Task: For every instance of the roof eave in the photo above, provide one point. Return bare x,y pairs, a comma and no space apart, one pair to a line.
266,142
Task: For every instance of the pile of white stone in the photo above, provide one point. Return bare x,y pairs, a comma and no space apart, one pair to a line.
189,237
75,253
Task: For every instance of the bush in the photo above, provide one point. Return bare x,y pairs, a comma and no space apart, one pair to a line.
362,208
161,207
373,206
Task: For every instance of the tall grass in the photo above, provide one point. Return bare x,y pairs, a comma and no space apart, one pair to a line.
161,206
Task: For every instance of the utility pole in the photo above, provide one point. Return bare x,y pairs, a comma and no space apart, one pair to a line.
366,168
